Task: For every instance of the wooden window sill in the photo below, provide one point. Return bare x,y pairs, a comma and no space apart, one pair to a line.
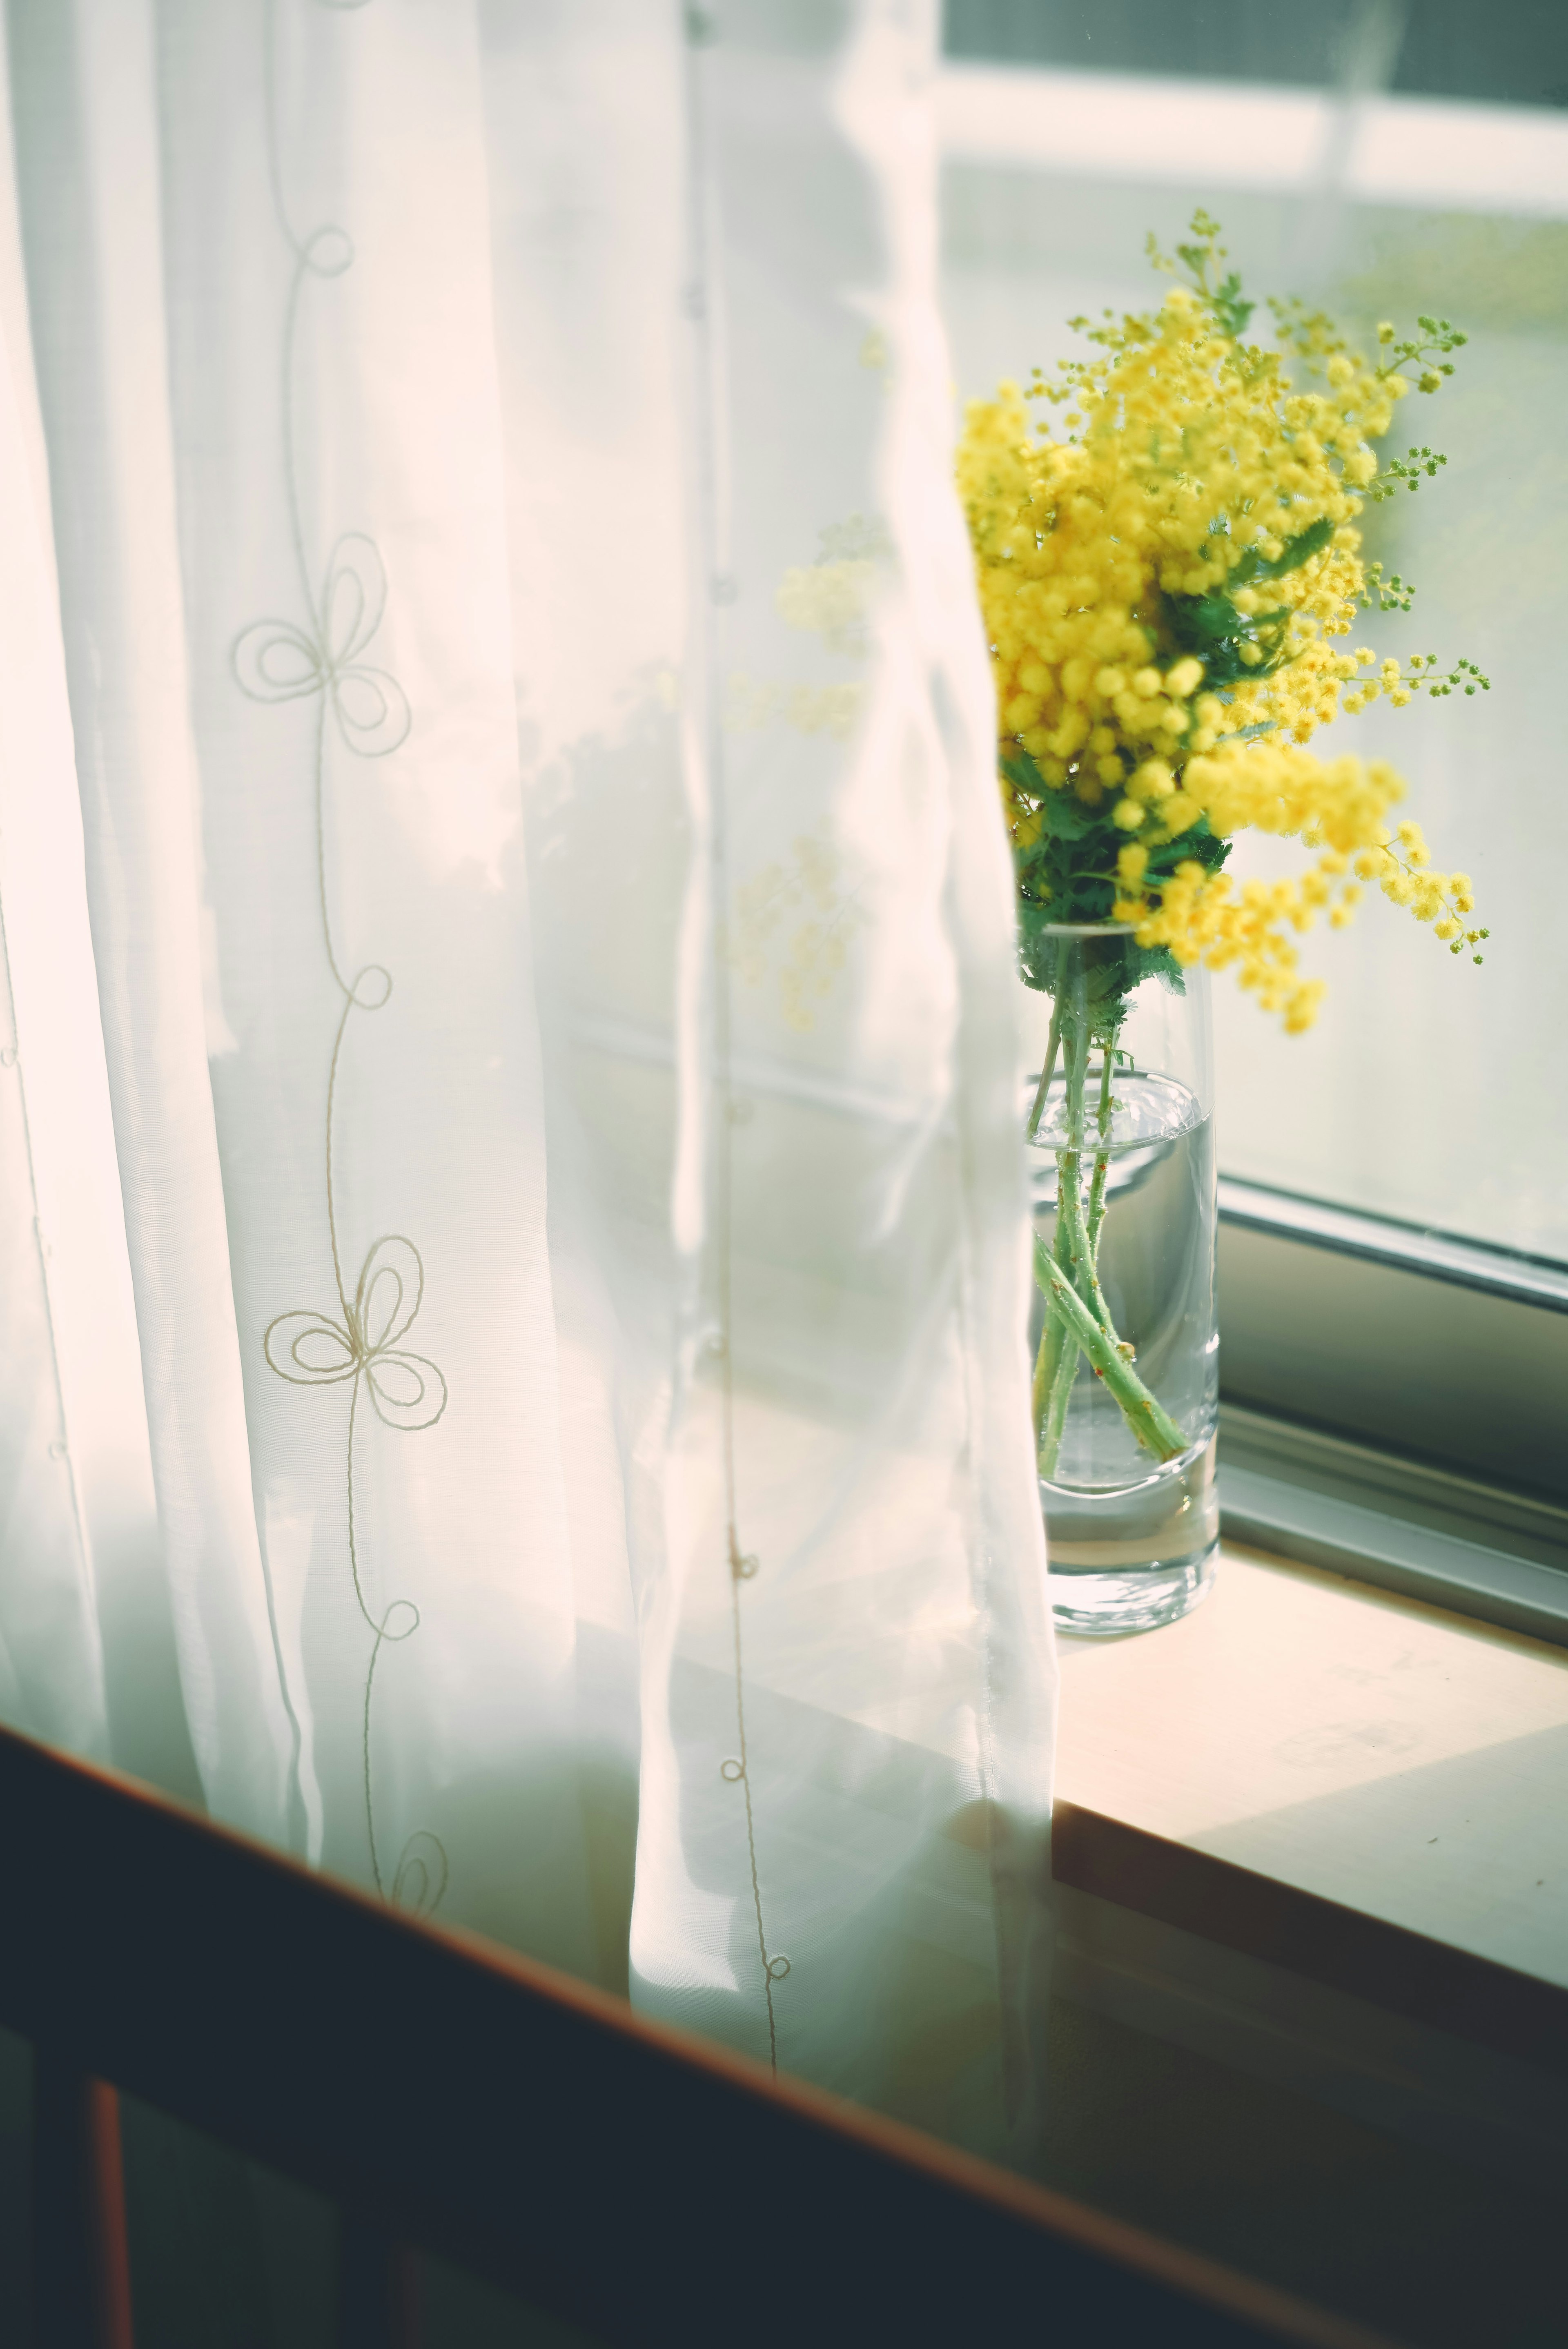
1350,1785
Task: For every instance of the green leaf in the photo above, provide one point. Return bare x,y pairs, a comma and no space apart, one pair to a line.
1230,309
1291,555
1068,877
1063,816
1212,628
1200,620
1196,845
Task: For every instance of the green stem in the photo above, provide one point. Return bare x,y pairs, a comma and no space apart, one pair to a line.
1055,1362
1055,1412
1077,1317
1072,1248
1103,1158
1075,1249
1148,1421
1046,1356
1054,1386
1053,1043
1051,1335
1068,1271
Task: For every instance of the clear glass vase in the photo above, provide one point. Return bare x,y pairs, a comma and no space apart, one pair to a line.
1125,1383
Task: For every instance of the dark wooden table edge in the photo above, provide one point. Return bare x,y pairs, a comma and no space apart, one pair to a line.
132,1899
1344,1948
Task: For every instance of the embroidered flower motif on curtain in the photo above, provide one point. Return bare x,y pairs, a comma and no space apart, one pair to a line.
277,660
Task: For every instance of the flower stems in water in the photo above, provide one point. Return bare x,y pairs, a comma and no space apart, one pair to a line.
1148,1421
1053,1043
1102,1155
1054,1422
1078,1319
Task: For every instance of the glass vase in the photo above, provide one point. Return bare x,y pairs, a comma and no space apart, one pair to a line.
1120,1130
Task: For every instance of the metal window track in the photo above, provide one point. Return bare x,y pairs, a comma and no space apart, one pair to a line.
1382,1239
1399,1524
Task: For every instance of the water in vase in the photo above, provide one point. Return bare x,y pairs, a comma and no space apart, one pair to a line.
1132,1538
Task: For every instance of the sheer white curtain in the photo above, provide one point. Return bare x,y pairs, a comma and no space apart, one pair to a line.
490,678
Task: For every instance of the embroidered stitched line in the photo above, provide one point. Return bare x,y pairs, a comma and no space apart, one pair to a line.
277,660
743,1565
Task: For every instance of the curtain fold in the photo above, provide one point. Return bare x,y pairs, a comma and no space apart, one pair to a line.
83,102
552,931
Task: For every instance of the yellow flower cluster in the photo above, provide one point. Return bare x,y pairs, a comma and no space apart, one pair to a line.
1202,917
1163,592
1337,806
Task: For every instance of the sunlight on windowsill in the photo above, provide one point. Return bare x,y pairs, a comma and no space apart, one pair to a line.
1406,1762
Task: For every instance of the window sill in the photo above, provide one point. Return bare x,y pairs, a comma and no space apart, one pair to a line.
1352,1785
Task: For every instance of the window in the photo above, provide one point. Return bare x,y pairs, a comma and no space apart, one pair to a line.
1395,1272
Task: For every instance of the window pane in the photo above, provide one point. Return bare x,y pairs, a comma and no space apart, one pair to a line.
1382,164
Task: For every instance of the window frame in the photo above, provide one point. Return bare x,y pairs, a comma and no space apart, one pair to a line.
1394,1405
